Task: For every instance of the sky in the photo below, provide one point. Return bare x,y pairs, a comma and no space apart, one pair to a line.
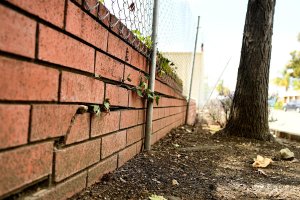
221,31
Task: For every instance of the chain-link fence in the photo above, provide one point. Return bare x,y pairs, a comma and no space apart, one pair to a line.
176,40
176,30
135,15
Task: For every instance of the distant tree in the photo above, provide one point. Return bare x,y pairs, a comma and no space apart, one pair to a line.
283,81
291,73
222,90
249,110
294,64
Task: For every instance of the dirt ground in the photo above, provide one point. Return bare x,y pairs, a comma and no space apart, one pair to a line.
190,164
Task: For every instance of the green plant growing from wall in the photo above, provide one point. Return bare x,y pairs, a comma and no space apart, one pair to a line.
97,109
166,67
145,40
142,90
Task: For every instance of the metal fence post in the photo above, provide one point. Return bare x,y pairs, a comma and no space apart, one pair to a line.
149,114
192,72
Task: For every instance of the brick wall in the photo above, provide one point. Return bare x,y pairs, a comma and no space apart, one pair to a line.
192,112
54,57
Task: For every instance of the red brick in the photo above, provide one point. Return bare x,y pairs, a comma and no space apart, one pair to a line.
79,88
162,133
141,116
108,67
155,114
61,49
80,129
96,172
89,4
157,125
115,24
135,101
64,190
157,86
27,81
17,34
153,139
79,2
167,112
163,102
117,96
105,123
137,60
104,14
113,143
134,75
14,125
128,118
128,53
50,121
117,47
126,155
134,134
161,112
139,147
24,165
82,25
75,158
51,11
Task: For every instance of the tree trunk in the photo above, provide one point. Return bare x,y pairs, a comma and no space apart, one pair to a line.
249,111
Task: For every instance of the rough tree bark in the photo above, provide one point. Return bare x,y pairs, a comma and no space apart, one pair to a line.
249,111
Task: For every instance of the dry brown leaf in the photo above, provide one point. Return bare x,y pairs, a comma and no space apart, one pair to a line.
260,161
175,182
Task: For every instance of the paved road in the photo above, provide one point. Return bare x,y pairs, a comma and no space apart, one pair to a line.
286,121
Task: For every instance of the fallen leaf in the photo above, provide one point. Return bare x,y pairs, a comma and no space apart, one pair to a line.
156,197
176,145
260,161
121,179
155,180
174,182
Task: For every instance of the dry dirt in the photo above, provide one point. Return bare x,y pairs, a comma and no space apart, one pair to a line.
204,168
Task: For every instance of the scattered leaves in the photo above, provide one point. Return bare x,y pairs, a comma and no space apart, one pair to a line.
156,197
176,145
175,182
260,161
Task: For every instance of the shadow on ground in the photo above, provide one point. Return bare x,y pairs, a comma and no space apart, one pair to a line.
204,168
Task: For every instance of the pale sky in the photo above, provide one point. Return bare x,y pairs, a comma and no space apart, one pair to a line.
222,24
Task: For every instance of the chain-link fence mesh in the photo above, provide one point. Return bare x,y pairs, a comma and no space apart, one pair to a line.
176,40
135,15
176,30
